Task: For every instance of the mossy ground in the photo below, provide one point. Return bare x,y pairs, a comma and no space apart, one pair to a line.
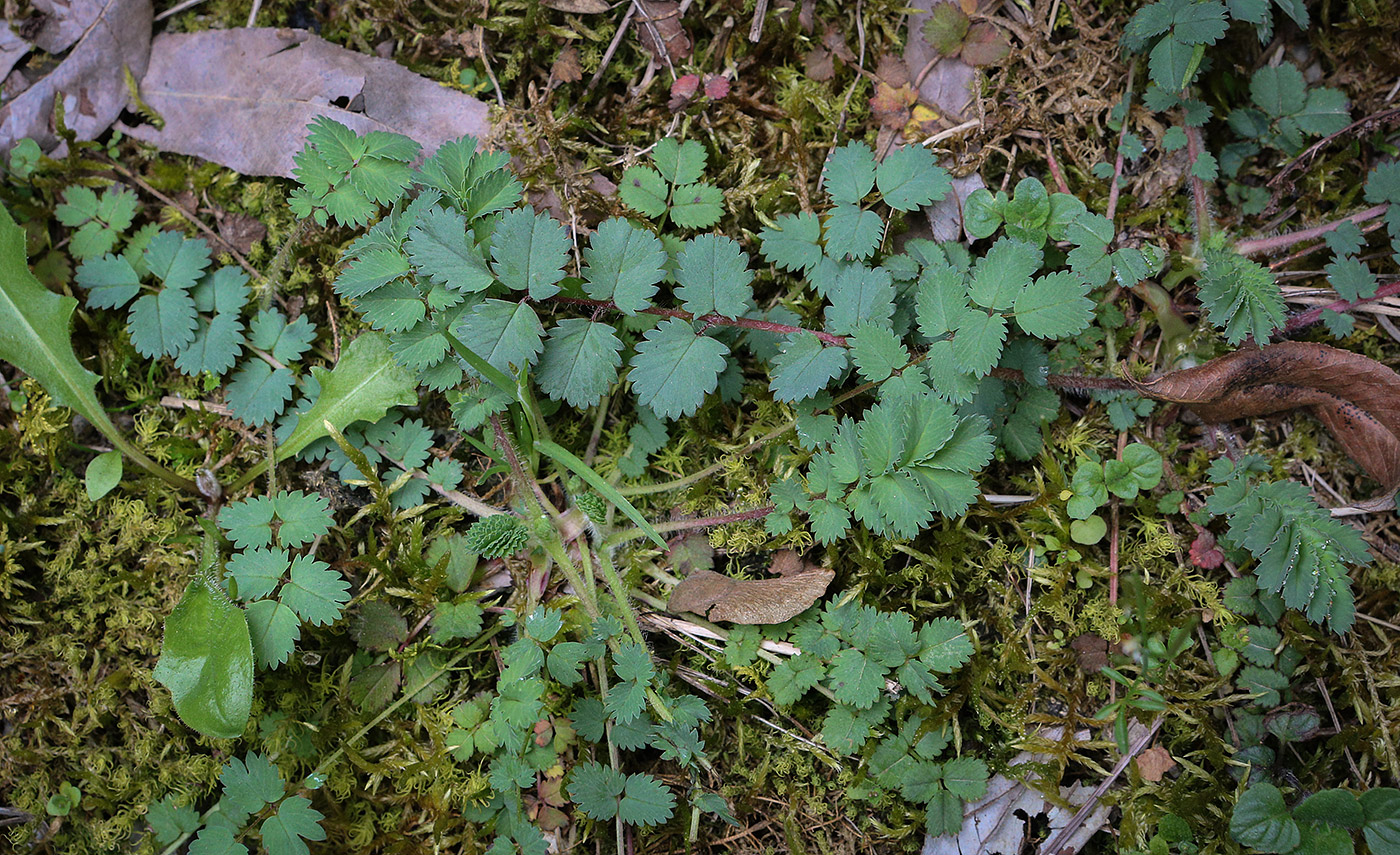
84,587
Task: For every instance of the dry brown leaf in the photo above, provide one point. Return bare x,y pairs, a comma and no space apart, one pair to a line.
1154,763
892,70
835,41
891,105
101,37
566,67
1091,651
1356,398
820,64
659,27
240,230
243,98
750,601
578,7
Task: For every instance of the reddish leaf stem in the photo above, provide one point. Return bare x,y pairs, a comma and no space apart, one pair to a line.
1306,319
1276,243
1122,135
712,522
1204,221
711,319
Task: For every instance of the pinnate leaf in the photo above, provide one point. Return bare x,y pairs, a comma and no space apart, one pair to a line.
623,263
850,173
529,251
909,178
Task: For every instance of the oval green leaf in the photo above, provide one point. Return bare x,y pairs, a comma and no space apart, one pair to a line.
206,661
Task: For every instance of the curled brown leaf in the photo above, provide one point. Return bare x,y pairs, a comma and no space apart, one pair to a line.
749,601
1355,397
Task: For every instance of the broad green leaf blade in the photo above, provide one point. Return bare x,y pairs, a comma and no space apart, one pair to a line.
643,190
103,473
441,248
258,393
697,206
860,295
286,832
714,276
110,281
580,362
216,346
679,162
529,251
274,630
162,324
623,263
850,173
804,366
793,243
315,592
206,662
1262,821
571,462
909,178
852,233
977,345
999,277
362,386
645,801
504,333
674,369
1054,306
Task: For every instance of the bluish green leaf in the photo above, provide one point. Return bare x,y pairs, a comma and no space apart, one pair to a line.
623,263
441,249
503,333
849,173
216,346
674,369
910,178
163,323
852,233
713,276
529,251
804,366
580,362
793,242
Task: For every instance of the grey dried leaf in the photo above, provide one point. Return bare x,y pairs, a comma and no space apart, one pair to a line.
243,98
101,38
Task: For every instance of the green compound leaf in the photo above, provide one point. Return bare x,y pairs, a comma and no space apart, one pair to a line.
440,249
529,251
623,263
177,261
1240,296
674,369
286,832
216,840
257,571
999,277
270,331
944,645
216,346
791,243
966,778
877,352
713,276
909,178
315,592
697,206
225,290
804,366
855,679
110,281
258,393
248,523
643,190
497,535
274,629
98,222
503,333
206,662
1352,279
1054,306
792,678
373,270
595,789
103,474
903,507
945,814
1261,820
249,784
853,233
850,173
679,162
580,362
163,323
645,801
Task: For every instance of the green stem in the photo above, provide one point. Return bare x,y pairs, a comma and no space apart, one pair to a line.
138,457
621,593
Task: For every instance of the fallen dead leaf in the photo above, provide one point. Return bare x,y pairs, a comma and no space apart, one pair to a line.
750,601
820,64
1154,763
891,106
659,27
100,38
892,70
716,86
566,68
835,41
240,230
996,823
243,98
985,45
1091,651
1356,398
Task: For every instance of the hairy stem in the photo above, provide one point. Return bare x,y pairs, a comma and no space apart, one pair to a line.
711,319
1313,315
1277,243
690,525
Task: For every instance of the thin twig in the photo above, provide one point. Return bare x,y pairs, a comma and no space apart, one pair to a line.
1122,135
612,48
760,12
1061,838
1276,243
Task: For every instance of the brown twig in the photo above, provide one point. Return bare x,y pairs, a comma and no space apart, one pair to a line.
1311,151
612,49
1055,167
1204,222
1057,841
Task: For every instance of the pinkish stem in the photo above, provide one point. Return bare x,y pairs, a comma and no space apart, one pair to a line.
712,319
